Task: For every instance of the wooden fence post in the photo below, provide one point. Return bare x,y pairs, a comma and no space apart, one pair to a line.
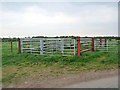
78,46
19,46
92,44
11,45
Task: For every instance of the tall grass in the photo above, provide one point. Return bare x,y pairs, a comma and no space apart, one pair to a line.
17,65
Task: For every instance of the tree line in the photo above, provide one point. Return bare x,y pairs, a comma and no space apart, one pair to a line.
15,39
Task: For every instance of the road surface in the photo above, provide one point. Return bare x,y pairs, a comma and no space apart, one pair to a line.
111,82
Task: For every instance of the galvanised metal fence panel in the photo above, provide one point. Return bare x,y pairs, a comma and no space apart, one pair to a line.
86,44
67,46
106,45
51,46
101,45
113,45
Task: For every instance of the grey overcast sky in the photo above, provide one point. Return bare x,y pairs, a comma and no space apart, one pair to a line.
22,19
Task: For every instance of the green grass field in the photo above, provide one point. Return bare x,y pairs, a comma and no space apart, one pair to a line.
19,67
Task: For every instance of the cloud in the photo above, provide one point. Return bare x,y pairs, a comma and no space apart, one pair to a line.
98,14
33,16
40,18
35,19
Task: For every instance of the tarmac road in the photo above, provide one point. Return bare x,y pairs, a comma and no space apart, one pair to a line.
111,82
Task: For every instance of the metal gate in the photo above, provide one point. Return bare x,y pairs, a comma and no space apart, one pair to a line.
51,46
86,44
106,45
67,46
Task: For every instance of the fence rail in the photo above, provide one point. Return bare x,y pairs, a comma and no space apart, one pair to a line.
106,45
53,46
66,46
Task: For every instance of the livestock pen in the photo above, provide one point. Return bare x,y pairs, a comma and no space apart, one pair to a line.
66,46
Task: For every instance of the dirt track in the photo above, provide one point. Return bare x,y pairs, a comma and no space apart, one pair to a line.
65,80
109,82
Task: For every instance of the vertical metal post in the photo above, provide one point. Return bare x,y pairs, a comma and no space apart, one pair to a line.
31,45
41,46
78,46
105,42
19,46
107,45
92,44
55,45
74,46
62,46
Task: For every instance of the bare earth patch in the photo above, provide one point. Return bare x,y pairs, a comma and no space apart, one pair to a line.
62,80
